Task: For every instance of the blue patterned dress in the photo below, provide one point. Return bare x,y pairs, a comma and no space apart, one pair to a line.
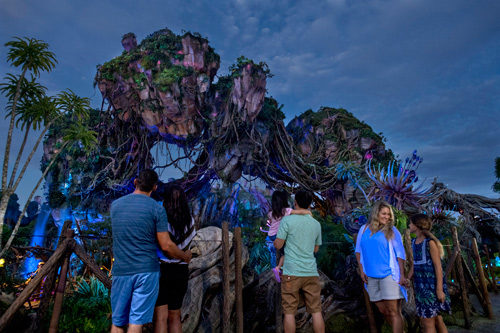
424,283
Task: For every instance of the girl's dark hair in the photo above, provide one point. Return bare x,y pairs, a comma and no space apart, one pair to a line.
279,201
178,212
424,223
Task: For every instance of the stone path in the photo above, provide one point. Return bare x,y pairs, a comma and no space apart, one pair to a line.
483,324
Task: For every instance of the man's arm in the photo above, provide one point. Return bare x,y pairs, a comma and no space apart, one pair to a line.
171,249
278,243
316,248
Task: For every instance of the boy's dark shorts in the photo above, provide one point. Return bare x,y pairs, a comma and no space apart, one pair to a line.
173,285
291,286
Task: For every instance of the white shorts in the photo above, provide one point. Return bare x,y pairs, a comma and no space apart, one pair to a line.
383,289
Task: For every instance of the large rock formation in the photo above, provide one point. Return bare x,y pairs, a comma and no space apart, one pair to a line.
162,89
202,304
163,80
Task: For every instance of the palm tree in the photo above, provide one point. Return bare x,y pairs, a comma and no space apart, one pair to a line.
76,136
45,112
30,55
496,185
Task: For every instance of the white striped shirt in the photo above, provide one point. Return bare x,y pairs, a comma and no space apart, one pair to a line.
183,245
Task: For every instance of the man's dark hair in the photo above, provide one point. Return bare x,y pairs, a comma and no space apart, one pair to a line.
303,198
146,180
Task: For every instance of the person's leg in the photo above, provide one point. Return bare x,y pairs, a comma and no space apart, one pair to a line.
381,306
394,315
134,328
116,329
280,263
174,321
290,300
160,315
144,299
428,325
311,287
272,249
289,323
121,297
440,325
318,322
160,318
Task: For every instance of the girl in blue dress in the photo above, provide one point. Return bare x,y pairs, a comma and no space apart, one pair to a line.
431,294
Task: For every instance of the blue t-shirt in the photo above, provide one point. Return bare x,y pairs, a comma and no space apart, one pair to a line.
375,254
135,220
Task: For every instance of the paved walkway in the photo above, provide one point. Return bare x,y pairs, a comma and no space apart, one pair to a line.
483,324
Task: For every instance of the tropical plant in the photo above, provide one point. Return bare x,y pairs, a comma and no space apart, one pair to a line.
352,172
30,55
88,309
496,185
396,183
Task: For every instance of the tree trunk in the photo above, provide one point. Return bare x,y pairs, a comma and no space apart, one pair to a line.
482,280
461,279
30,156
4,202
9,136
61,286
238,283
226,304
19,155
18,223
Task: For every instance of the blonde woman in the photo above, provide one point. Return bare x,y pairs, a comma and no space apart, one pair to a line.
380,254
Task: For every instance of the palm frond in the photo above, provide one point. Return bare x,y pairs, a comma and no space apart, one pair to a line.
30,54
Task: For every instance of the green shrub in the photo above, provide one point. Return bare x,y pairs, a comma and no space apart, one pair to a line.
88,309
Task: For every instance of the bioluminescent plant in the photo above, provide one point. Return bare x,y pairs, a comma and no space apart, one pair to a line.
396,183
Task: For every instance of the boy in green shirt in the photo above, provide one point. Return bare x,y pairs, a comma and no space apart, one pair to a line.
302,235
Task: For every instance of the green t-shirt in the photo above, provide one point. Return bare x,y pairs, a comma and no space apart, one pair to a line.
301,234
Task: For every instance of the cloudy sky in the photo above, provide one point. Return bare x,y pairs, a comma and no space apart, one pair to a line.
425,73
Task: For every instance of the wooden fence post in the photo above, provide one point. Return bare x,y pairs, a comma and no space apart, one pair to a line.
238,283
91,266
461,279
490,269
28,290
61,286
278,309
48,288
482,281
226,275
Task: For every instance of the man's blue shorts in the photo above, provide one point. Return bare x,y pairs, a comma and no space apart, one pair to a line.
133,298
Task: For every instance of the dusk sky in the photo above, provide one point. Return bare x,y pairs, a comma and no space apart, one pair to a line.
424,73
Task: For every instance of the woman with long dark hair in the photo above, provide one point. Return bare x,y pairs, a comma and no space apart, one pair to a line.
174,274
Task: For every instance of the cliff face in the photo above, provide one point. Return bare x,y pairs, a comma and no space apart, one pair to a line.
164,79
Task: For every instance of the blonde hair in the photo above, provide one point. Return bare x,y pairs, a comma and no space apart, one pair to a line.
375,225
424,224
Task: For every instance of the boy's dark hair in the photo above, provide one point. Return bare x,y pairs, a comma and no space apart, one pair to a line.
146,180
303,198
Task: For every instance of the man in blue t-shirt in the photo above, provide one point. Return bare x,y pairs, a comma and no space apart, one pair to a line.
302,234
138,224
